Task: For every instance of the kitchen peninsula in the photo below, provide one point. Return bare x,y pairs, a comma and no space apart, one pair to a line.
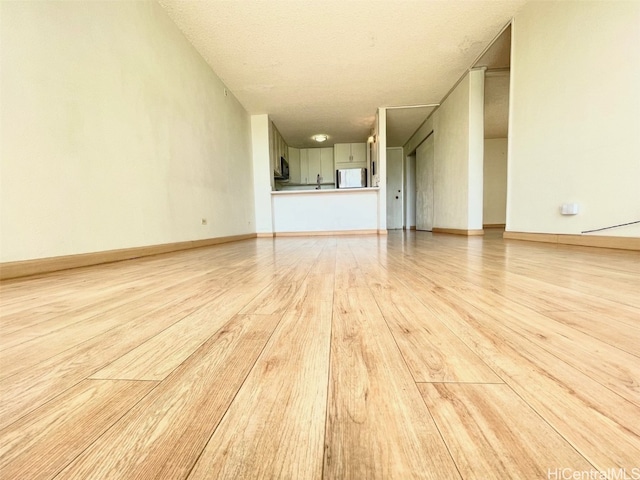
335,211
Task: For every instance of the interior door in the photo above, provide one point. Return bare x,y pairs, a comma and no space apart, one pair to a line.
394,188
424,184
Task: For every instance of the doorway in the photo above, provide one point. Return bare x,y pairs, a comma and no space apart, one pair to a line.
497,61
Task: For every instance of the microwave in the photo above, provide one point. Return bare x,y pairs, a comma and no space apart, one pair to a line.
284,170
351,178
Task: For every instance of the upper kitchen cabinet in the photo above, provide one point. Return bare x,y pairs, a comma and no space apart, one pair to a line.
294,165
327,165
277,149
313,162
304,166
315,165
350,155
342,152
317,161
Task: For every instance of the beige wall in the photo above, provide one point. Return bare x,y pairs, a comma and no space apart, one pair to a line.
380,152
451,168
421,134
458,151
575,117
495,181
263,172
458,129
115,133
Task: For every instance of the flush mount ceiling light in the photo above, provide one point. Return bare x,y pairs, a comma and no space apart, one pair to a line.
321,137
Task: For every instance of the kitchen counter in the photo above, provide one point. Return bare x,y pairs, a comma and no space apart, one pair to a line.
330,211
283,187
326,190
288,184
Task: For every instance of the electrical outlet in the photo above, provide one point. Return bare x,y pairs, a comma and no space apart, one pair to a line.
203,221
569,209
226,93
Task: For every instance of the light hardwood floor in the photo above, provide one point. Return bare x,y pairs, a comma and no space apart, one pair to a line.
404,356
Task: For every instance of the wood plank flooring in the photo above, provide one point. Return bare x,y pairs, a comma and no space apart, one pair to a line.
404,356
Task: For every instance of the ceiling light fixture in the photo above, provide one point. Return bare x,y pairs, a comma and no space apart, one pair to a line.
321,137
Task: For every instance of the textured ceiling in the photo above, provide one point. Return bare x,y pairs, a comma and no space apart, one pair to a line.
498,56
326,66
403,122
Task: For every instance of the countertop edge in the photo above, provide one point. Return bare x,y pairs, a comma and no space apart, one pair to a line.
325,191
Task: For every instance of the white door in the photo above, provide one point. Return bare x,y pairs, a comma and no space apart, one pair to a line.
394,188
424,184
